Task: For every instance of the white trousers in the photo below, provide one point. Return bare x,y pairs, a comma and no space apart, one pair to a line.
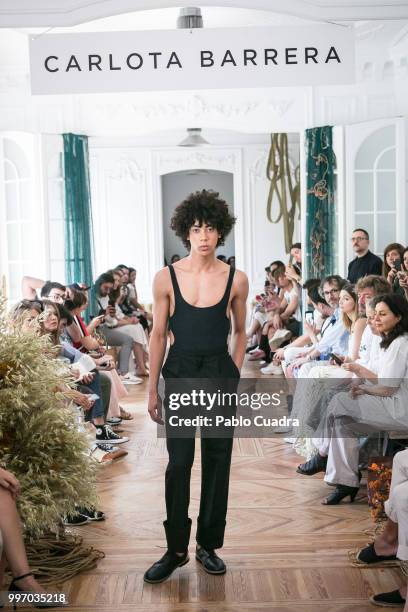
346,418
396,506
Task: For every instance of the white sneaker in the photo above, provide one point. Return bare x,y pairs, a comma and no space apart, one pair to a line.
278,338
275,370
130,379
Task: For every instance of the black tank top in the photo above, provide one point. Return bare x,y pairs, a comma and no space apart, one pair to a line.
199,330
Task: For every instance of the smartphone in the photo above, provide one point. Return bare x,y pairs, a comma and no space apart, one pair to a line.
397,264
336,358
291,259
309,317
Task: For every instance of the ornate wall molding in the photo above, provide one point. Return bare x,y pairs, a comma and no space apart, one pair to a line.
126,169
179,159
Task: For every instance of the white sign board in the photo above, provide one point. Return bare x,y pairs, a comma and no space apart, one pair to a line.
191,59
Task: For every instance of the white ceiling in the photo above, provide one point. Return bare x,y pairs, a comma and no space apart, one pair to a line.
48,13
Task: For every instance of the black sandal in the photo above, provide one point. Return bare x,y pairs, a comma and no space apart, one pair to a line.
392,599
316,464
368,556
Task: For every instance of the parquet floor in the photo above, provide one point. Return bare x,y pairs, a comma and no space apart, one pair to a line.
284,550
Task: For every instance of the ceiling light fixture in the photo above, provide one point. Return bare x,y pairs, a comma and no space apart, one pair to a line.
194,138
189,18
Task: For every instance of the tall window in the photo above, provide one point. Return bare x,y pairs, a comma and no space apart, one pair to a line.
375,207
17,215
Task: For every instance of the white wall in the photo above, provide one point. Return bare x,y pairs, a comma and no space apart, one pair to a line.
176,187
126,185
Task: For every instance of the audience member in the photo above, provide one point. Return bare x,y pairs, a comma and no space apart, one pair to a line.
365,262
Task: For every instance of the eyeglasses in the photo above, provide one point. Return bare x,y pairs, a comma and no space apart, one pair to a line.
331,292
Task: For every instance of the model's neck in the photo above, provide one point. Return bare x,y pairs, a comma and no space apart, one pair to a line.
202,262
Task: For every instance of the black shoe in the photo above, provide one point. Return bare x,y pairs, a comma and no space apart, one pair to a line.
392,599
339,493
92,514
164,567
316,464
368,556
75,519
105,434
108,448
210,561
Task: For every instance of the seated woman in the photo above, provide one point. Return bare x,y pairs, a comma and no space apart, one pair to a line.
392,542
393,263
372,405
50,325
129,326
134,301
14,554
355,325
25,314
80,336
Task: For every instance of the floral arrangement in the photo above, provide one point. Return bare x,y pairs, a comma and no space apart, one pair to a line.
39,438
378,488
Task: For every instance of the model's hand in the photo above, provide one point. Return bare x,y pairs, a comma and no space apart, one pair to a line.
9,481
154,408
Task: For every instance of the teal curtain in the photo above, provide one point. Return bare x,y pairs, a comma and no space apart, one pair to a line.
320,203
78,213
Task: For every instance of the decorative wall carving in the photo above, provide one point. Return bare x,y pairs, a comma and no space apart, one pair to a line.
126,169
179,159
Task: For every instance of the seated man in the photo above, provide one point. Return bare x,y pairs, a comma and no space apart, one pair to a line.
335,338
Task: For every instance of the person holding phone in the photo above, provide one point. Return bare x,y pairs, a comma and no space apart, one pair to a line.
393,265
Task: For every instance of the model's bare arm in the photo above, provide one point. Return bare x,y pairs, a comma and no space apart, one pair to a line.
238,311
29,286
158,340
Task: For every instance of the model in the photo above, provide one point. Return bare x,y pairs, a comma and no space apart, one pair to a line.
196,300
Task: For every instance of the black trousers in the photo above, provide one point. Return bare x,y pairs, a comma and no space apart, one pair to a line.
215,371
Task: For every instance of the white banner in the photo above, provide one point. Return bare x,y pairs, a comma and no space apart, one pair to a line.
191,59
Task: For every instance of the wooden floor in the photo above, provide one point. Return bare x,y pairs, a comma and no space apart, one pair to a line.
284,550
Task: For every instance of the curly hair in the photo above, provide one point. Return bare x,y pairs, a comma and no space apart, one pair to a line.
203,207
